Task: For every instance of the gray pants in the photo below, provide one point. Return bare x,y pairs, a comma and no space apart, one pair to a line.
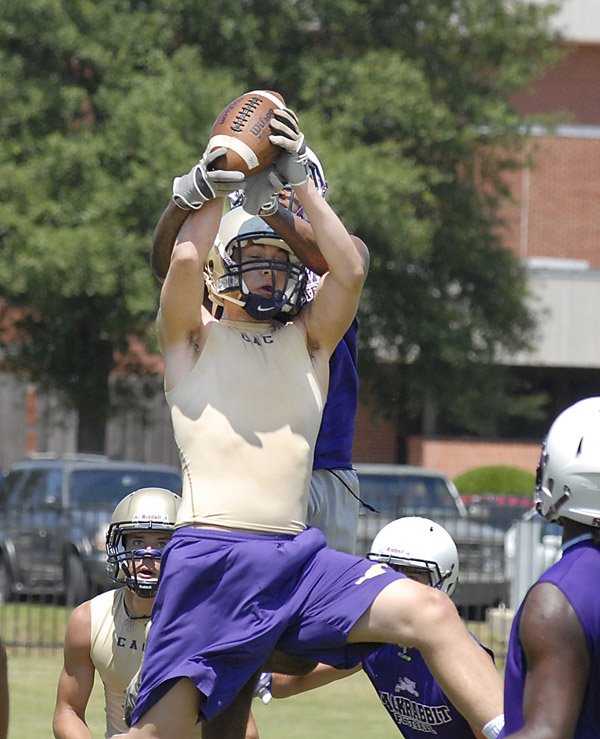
333,507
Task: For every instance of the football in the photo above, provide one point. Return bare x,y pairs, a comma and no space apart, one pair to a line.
242,128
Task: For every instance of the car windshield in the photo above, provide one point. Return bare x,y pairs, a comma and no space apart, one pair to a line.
389,493
90,487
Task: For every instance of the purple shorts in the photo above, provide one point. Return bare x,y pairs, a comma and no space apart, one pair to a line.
226,600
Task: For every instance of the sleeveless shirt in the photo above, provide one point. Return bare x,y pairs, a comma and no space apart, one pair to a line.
246,420
576,575
117,645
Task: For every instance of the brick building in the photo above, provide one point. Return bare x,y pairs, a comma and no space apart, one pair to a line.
554,226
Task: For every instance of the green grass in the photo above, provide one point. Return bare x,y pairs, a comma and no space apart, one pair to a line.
32,680
350,706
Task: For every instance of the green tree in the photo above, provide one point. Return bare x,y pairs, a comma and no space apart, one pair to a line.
89,104
407,104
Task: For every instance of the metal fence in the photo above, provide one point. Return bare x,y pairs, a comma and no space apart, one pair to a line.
38,599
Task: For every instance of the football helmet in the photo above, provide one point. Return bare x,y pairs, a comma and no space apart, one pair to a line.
568,473
419,544
225,268
147,509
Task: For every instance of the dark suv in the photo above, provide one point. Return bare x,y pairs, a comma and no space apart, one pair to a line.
54,513
404,490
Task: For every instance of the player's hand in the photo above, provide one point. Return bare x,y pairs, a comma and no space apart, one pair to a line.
263,687
261,193
202,184
292,164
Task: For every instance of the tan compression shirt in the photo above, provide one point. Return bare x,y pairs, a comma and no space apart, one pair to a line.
117,646
246,420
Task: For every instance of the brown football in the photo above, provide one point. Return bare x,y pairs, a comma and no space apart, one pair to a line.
242,128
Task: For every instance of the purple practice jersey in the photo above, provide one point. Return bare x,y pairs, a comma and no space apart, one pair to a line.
333,449
411,695
577,576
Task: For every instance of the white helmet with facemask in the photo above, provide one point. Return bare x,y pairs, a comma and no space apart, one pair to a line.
226,268
568,473
147,509
421,545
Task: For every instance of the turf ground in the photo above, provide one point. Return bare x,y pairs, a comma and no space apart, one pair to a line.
348,708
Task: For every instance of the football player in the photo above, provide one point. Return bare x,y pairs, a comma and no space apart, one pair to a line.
107,634
334,490
552,677
243,573
424,551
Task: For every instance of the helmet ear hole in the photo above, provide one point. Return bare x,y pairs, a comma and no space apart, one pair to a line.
569,476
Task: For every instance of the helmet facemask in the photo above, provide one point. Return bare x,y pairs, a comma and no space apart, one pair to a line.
227,268
143,511
121,562
418,545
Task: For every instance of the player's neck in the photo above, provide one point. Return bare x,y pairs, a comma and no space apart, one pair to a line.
136,606
573,529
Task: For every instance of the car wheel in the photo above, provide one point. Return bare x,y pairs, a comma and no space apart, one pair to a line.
5,582
77,587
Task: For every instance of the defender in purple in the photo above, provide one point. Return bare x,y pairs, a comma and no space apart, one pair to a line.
552,679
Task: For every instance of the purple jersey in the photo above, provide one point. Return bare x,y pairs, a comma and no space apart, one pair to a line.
333,449
576,575
411,695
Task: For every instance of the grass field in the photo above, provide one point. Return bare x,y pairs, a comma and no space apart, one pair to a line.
349,707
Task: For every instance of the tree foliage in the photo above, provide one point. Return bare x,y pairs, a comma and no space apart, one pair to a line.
407,104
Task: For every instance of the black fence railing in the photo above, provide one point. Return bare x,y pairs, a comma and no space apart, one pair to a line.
45,571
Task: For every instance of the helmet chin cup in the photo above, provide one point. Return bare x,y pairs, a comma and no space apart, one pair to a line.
261,307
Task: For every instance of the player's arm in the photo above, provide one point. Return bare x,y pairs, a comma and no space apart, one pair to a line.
76,678
335,304
190,192
328,316
299,235
165,233
283,686
558,664
183,321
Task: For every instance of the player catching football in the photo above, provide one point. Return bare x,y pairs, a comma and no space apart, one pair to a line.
242,573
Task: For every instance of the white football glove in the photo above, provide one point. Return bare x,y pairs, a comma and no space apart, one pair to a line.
261,193
292,164
263,687
200,184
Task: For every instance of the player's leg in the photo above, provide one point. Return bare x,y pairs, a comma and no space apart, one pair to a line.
173,716
408,613
236,721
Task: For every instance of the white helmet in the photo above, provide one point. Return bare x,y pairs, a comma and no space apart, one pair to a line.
147,509
568,474
419,544
225,267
